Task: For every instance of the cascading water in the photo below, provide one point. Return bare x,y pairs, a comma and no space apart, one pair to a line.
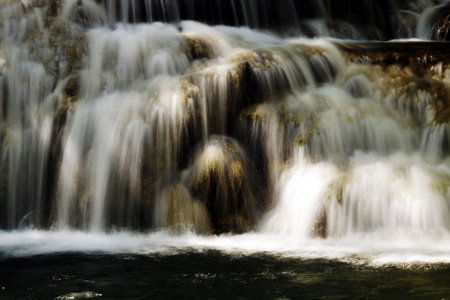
134,126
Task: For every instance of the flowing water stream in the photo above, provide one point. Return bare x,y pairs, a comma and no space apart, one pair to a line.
233,148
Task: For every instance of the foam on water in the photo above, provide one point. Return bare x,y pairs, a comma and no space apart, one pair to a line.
355,249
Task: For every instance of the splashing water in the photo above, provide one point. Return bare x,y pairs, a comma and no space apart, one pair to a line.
141,138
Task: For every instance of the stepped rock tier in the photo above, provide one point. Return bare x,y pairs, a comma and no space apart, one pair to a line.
317,119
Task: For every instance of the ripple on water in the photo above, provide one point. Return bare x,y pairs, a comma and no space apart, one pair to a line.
79,295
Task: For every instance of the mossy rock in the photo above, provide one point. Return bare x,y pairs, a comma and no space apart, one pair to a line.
70,45
308,50
305,137
255,113
200,48
53,9
335,192
408,68
180,212
71,89
236,88
257,59
220,180
320,226
418,56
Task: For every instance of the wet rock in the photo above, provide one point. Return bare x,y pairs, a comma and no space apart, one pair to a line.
70,48
438,22
85,13
199,48
175,149
320,226
444,28
435,144
53,9
420,57
179,212
220,180
416,71
3,185
216,96
69,95
71,88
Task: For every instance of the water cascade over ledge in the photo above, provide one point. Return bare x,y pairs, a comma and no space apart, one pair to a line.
165,122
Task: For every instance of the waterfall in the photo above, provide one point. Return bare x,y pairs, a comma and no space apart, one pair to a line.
213,117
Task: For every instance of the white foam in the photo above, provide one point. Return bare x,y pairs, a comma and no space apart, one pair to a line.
354,250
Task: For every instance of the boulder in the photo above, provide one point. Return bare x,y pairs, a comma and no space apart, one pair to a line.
219,178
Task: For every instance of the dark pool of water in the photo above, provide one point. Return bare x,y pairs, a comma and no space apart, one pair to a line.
213,275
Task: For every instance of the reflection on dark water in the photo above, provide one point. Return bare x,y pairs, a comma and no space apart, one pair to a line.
213,275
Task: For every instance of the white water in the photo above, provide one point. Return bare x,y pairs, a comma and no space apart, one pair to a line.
328,158
354,250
